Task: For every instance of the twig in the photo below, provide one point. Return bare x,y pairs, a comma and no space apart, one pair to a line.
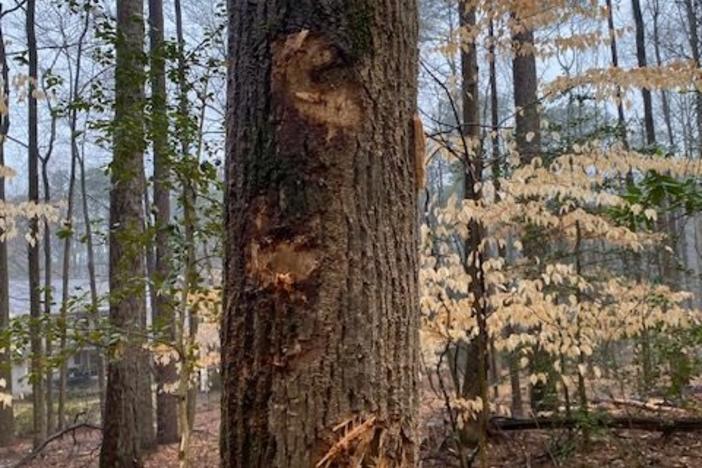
34,453
345,441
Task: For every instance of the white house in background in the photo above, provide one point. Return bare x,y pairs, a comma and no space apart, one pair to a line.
20,382
82,367
82,372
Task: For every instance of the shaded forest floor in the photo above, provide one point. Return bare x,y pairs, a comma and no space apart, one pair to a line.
81,448
621,448
554,448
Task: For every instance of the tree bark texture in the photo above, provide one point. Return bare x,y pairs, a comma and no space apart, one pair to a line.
528,119
122,434
320,329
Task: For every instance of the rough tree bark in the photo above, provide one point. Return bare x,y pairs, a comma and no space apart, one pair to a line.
320,328
7,416
642,62
123,433
166,402
36,345
528,119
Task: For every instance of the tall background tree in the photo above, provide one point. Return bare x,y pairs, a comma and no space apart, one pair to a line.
642,59
36,336
125,430
166,407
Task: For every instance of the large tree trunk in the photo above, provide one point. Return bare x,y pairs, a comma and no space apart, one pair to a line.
642,62
36,345
320,328
166,401
123,434
7,416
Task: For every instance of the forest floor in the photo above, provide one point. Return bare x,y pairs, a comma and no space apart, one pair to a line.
553,448
80,448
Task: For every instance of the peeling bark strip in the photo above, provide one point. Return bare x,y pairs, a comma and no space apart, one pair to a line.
320,330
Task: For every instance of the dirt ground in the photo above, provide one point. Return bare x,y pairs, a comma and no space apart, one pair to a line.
81,448
621,448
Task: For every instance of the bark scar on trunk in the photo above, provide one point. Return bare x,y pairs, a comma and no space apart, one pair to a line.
277,257
310,75
284,263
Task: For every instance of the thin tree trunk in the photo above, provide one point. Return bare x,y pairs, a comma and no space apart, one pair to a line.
7,416
659,62
641,59
320,327
68,239
184,383
189,203
475,376
124,430
36,338
148,432
494,108
528,119
512,358
582,391
48,288
94,304
693,24
163,307
621,119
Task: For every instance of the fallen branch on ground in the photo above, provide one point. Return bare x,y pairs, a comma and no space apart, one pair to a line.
72,429
648,406
611,422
